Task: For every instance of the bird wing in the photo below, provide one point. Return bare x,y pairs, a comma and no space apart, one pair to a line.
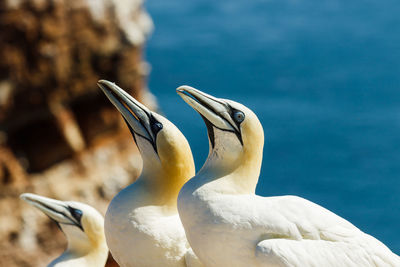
310,235
311,220
285,252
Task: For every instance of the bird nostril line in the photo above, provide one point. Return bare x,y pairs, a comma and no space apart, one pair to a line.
191,96
125,105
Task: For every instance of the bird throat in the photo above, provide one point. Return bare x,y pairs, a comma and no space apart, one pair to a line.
210,130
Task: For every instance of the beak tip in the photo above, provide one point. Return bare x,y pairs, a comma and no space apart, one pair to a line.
179,90
106,83
184,88
25,196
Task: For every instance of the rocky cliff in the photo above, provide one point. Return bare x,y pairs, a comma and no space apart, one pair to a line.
59,135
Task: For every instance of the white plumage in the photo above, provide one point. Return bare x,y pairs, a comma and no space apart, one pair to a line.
228,225
142,224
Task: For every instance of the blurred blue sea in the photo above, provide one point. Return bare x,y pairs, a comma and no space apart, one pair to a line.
323,76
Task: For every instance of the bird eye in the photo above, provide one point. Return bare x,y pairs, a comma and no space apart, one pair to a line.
238,116
156,127
77,214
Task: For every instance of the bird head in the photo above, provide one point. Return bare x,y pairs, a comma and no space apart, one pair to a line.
164,149
81,223
235,134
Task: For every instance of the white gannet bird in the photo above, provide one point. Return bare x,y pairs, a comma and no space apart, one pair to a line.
142,224
228,225
83,227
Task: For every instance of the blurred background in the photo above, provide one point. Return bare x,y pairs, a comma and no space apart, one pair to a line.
322,76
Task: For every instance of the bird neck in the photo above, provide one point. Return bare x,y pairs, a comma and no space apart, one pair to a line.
233,176
164,173
162,184
246,176
96,256
84,244
79,247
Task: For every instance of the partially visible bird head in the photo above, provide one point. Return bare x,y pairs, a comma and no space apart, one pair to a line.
235,133
163,147
82,224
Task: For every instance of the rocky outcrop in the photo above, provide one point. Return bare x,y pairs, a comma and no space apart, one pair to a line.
59,135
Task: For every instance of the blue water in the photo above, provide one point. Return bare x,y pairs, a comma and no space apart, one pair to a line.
323,76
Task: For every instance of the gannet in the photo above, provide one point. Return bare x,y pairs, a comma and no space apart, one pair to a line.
83,227
142,224
228,225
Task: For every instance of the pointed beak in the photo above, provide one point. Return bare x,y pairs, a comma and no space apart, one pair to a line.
136,115
55,209
215,110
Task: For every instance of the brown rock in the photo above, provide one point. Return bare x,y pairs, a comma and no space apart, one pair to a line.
59,135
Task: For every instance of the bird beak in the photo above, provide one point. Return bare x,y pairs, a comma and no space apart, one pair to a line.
55,209
215,110
136,115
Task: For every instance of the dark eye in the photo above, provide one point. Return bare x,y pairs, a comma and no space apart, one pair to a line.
238,116
77,214
156,127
